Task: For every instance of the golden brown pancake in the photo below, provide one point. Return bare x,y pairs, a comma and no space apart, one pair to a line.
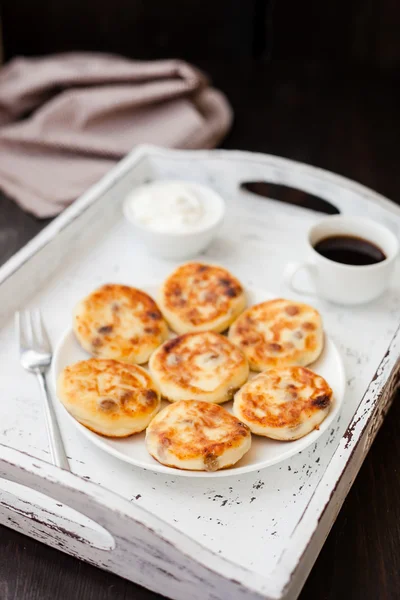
120,322
109,397
198,436
200,297
278,333
199,366
283,403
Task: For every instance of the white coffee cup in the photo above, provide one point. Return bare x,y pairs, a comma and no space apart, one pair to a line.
343,283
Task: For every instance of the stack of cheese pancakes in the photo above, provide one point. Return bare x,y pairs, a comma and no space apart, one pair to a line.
193,365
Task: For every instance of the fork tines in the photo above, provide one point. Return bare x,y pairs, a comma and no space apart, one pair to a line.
31,331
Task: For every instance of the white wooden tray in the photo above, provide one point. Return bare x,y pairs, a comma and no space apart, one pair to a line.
249,537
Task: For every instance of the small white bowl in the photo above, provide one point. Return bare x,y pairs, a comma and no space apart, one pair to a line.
178,245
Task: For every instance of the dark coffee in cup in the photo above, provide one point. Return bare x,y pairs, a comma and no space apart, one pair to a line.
350,250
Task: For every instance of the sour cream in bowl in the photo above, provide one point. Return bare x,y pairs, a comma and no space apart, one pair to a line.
175,219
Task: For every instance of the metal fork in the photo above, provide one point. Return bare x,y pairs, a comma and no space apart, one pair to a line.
35,356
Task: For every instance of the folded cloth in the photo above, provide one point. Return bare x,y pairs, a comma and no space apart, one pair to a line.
66,119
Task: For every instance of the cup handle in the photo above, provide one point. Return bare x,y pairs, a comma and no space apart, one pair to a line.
290,273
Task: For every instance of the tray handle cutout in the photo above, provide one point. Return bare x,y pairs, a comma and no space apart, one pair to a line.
36,514
290,195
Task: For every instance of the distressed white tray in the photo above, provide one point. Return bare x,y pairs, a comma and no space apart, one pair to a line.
251,537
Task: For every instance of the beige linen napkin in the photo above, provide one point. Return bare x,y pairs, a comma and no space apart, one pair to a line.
66,119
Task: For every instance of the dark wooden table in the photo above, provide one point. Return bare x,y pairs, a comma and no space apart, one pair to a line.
347,121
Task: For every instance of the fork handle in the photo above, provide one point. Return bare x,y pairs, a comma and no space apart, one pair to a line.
57,451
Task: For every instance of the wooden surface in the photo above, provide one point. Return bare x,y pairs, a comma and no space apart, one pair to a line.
363,32
227,28
347,122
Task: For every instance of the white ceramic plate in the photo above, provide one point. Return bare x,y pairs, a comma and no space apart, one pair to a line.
263,452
